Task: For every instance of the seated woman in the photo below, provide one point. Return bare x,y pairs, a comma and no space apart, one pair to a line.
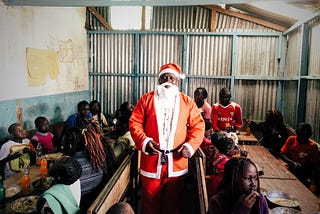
88,147
17,151
77,119
64,196
97,115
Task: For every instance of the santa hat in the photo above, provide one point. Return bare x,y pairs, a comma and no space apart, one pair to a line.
172,68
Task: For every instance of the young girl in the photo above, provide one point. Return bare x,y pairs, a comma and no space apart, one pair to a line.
226,149
240,191
17,144
43,136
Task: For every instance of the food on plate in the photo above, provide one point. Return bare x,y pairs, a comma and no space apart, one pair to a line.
286,202
284,210
42,183
54,156
12,190
282,199
25,204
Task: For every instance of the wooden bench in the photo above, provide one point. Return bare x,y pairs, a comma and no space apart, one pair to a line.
122,186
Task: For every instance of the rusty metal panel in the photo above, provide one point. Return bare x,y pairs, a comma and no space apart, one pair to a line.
257,56
256,97
293,54
210,55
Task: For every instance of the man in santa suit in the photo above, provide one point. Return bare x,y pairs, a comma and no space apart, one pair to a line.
167,126
225,112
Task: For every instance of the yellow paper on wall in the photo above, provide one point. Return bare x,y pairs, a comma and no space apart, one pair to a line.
41,63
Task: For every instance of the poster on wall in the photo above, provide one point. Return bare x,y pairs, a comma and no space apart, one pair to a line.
41,65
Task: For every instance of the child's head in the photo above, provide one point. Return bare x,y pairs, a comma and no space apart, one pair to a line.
17,132
65,170
274,116
120,208
215,137
42,124
200,94
226,146
224,96
72,141
83,108
95,107
304,132
240,176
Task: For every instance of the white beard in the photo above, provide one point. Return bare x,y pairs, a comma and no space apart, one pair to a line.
167,94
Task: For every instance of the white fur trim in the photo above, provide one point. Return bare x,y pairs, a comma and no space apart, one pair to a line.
189,148
172,71
145,144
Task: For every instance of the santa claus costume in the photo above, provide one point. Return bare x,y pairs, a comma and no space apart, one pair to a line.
173,120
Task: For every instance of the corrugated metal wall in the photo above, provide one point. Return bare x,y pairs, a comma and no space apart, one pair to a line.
313,84
244,56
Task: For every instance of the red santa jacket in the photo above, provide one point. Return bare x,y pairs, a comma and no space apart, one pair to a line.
187,126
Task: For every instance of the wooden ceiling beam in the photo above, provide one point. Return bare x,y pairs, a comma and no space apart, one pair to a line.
100,18
245,17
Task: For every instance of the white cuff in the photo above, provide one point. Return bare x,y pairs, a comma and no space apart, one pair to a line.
144,145
189,148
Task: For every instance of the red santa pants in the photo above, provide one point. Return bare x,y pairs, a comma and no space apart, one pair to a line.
162,195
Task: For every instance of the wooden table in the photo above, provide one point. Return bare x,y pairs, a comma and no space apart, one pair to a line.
276,177
243,138
308,201
15,179
272,167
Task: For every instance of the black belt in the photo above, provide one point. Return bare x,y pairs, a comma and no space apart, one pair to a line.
164,153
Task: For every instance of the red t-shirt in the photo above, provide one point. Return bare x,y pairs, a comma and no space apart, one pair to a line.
300,153
220,115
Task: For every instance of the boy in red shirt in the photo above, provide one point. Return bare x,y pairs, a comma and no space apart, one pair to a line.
301,153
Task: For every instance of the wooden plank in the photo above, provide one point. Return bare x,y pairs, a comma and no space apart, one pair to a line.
213,21
100,18
114,189
247,18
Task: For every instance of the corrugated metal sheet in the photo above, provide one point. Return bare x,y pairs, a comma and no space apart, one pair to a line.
293,54
314,58
312,107
313,95
124,66
256,97
290,91
180,19
156,50
257,56
210,55
227,23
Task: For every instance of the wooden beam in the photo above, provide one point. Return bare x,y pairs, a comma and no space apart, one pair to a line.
143,18
246,17
100,18
213,22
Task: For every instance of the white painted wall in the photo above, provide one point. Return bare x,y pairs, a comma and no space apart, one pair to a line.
46,28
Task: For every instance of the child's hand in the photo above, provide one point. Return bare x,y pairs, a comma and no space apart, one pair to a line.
248,199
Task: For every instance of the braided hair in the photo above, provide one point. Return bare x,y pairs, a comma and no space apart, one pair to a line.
234,172
89,140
